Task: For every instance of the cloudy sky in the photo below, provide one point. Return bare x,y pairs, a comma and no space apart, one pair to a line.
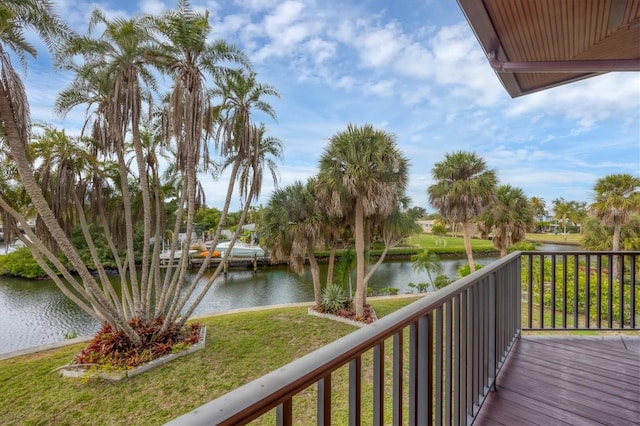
412,68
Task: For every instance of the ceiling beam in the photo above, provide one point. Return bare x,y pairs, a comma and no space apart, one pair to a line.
568,66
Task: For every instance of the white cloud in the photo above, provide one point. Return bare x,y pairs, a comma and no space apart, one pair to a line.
587,101
152,7
378,46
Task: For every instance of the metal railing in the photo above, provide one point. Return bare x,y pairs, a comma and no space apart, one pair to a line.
578,290
433,361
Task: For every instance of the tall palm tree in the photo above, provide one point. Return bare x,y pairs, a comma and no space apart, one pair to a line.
616,198
291,229
183,51
117,56
365,174
509,217
462,191
264,151
537,205
562,211
17,16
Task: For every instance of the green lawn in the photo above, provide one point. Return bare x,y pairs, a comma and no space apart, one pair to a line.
555,239
448,244
240,347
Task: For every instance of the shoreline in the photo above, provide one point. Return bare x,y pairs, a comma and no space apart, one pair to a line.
83,339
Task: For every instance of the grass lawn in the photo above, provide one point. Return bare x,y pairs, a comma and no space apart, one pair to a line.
240,347
448,244
555,239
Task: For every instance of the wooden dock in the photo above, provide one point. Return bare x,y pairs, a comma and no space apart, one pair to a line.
567,380
233,262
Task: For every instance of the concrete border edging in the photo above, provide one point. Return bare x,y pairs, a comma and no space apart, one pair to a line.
115,375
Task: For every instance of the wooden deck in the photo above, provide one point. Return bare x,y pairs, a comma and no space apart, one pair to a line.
567,380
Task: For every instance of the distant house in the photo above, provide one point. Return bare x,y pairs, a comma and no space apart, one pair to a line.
426,225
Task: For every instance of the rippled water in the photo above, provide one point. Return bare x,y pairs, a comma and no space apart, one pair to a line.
34,312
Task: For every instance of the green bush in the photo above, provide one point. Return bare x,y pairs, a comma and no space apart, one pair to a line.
442,281
20,263
579,287
421,287
523,246
389,290
465,270
332,298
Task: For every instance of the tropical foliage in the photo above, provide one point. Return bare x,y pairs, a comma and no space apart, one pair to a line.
107,182
463,190
509,217
362,177
569,212
584,286
292,226
427,261
616,198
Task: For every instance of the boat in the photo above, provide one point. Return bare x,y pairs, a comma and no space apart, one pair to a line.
240,249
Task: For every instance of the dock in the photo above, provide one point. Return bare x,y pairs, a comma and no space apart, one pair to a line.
232,262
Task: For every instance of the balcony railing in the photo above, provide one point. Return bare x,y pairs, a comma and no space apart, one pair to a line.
434,361
580,290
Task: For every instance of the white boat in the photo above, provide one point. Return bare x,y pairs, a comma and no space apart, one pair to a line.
240,249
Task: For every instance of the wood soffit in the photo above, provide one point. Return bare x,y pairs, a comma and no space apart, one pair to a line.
594,36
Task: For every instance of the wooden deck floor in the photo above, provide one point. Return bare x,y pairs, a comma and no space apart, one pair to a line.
567,380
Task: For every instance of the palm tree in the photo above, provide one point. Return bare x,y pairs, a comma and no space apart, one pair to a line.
17,16
244,146
509,217
364,174
117,57
537,206
462,191
568,211
291,229
616,198
427,261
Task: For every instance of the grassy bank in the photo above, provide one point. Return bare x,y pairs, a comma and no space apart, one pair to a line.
446,245
555,238
240,347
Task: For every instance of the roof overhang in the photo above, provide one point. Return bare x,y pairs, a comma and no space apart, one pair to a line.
533,45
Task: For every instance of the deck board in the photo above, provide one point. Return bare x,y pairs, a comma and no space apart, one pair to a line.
567,380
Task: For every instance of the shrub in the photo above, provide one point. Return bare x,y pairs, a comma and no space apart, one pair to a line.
523,246
465,270
389,290
20,263
442,281
332,298
597,306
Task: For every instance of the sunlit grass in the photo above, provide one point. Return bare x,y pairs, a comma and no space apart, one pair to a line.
240,347
447,244
554,239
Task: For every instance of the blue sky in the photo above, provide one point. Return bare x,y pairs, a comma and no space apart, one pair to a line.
412,68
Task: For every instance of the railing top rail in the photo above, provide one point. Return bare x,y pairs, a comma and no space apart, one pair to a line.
580,252
270,390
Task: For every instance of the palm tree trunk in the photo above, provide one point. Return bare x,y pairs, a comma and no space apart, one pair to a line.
466,236
617,230
17,146
361,289
315,275
332,261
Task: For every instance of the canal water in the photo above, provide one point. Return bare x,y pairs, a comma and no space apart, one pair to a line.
35,312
